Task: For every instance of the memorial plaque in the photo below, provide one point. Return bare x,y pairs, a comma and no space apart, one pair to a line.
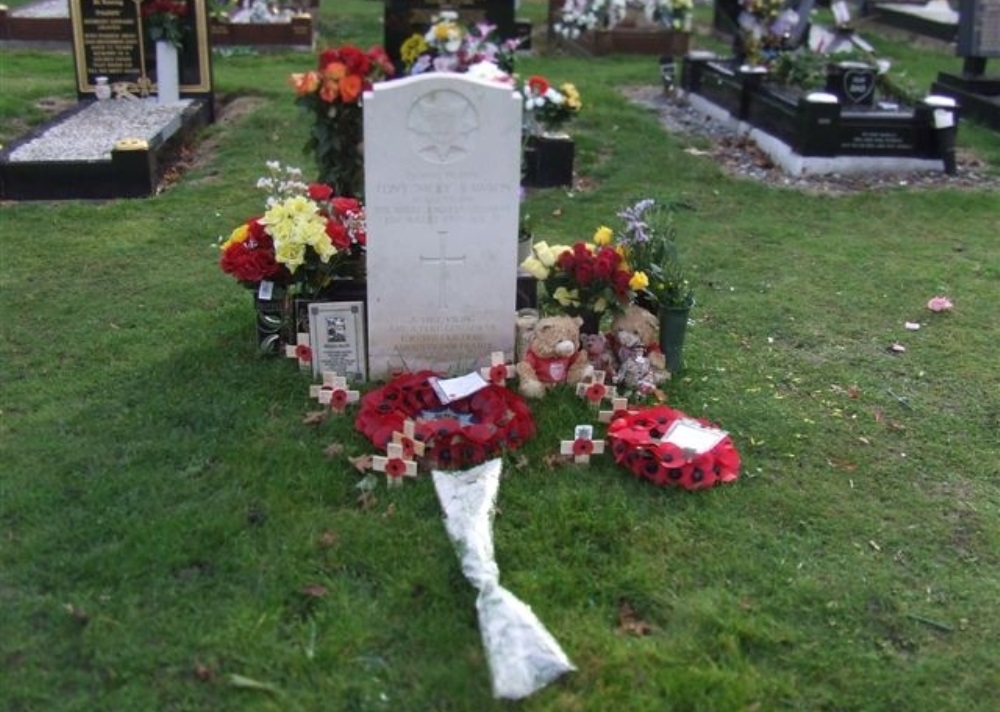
979,28
403,18
442,184
852,82
109,40
337,339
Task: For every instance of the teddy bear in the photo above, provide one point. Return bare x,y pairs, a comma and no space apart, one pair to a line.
598,353
640,365
553,356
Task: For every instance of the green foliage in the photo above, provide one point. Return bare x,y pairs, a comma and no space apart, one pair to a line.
173,538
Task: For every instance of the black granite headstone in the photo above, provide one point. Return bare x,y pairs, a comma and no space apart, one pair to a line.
977,93
109,40
404,18
851,82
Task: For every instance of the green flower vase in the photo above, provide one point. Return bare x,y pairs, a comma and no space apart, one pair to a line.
673,327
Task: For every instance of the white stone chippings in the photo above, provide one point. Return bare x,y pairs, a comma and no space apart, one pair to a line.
91,134
45,8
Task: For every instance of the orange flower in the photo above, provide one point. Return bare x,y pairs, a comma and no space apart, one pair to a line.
350,88
304,83
329,91
335,71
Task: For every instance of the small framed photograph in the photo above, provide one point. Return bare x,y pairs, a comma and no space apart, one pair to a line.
337,338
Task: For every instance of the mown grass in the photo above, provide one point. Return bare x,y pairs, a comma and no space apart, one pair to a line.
164,512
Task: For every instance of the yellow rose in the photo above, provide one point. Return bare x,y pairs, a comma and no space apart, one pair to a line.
566,297
535,268
237,235
639,281
603,235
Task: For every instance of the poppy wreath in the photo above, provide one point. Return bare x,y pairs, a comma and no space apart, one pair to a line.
456,435
635,440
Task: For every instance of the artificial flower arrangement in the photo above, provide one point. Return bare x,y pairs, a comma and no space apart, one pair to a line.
449,46
332,95
580,16
764,27
647,242
306,237
546,107
164,20
453,435
587,279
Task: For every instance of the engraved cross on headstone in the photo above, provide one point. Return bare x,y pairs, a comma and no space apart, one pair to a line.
444,261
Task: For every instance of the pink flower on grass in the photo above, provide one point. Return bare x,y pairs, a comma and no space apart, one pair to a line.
939,304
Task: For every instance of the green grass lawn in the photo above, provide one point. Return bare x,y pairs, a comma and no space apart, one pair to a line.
171,533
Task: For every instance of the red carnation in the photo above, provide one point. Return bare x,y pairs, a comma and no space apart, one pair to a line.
357,62
320,191
338,234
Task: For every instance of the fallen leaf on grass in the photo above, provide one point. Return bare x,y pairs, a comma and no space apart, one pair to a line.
313,590
366,500
333,449
629,621
390,510
362,463
327,539
78,614
853,391
555,459
521,461
315,417
203,672
696,152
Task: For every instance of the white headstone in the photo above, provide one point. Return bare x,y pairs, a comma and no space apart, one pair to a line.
442,176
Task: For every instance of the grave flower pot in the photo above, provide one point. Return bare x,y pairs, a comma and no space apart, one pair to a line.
548,161
673,326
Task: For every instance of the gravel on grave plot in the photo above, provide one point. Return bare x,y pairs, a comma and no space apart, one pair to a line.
44,8
739,156
91,133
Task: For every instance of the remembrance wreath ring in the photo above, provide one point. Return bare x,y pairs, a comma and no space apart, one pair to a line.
455,435
635,439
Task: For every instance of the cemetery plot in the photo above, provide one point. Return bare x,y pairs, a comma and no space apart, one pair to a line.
935,19
977,92
822,131
118,141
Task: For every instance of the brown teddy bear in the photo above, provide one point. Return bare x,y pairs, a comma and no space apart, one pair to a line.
554,356
634,341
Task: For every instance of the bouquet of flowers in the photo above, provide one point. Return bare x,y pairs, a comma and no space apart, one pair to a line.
332,96
585,279
648,243
305,237
547,107
764,27
580,16
449,46
164,20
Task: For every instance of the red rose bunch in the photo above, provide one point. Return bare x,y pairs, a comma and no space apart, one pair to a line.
163,20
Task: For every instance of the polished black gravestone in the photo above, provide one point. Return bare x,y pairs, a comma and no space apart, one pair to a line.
977,93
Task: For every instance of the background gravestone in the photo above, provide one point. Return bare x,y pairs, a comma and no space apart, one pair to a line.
403,18
108,40
442,185
977,94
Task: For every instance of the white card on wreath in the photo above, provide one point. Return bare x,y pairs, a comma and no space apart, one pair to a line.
691,435
453,389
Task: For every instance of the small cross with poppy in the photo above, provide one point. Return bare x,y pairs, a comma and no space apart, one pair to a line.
618,405
394,465
408,439
499,370
301,350
335,393
316,389
594,389
583,445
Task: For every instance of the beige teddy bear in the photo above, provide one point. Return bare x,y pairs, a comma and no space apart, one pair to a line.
554,356
634,341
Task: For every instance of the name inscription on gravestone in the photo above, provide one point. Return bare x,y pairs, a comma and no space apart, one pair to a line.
441,187
109,39
109,31
979,28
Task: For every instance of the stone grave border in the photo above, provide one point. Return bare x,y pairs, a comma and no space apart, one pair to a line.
133,170
894,14
814,137
297,34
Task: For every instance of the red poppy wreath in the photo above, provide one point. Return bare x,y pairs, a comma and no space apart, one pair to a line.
637,443
455,436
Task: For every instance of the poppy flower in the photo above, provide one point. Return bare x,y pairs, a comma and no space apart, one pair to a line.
596,391
395,467
303,352
338,399
498,374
